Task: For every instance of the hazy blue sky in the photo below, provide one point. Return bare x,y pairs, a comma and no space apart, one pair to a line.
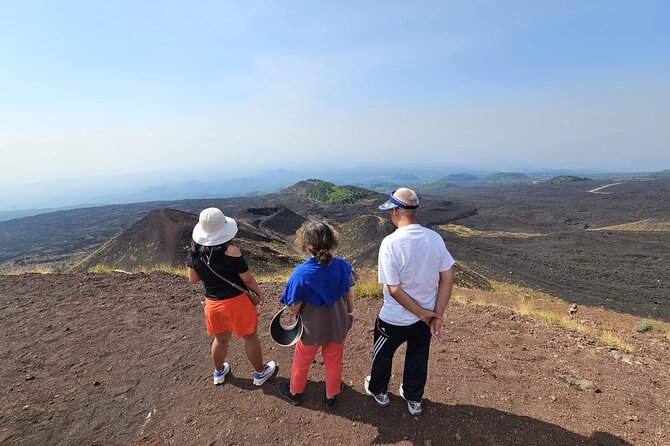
101,87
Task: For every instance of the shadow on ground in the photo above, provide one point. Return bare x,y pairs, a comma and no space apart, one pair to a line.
440,423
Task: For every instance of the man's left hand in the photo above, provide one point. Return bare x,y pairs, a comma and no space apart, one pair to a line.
436,328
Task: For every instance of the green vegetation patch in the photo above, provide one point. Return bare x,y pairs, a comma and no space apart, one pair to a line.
509,178
567,179
648,326
459,177
326,192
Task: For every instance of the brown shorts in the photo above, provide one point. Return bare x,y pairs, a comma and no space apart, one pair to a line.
236,315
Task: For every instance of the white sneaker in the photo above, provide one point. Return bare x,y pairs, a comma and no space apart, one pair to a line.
381,399
414,407
260,378
220,376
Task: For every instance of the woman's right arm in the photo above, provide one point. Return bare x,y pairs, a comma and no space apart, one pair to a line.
250,281
248,278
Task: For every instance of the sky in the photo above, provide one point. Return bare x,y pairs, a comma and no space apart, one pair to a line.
92,88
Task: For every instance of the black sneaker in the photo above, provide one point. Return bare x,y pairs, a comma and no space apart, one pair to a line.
331,403
285,392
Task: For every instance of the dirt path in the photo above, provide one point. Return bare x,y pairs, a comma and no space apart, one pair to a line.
120,359
598,190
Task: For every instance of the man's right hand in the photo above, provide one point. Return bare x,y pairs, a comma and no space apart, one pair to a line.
410,304
426,315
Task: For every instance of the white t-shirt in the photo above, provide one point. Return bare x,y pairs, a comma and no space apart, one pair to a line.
412,257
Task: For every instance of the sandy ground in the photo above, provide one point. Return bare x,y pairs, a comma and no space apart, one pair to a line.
119,359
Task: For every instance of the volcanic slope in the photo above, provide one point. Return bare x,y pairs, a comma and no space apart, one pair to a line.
160,238
164,236
360,239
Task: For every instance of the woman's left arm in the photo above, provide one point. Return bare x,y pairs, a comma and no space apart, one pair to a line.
350,302
193,276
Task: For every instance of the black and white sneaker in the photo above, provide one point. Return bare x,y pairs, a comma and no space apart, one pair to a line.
381,399
414,407
220,375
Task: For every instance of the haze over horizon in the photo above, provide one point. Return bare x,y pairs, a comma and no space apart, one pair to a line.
97,89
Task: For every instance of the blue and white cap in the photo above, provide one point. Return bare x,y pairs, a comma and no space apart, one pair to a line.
394,202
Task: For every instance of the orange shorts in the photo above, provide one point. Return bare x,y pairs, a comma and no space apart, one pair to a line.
237,315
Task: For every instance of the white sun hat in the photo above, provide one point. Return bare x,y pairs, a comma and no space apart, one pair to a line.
214,228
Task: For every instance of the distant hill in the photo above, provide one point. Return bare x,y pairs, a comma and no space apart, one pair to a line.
567,179
282,221
662,174
325,192
508,178
459,177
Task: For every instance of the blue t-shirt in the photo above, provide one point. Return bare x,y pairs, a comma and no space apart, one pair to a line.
317,285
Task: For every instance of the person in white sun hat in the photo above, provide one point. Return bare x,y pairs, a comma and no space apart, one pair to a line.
228,307
415,269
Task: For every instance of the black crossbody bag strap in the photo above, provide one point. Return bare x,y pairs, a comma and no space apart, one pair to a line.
252,295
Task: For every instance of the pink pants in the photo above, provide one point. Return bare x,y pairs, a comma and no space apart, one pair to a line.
302,359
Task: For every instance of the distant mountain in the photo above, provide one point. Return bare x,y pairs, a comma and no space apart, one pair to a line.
662,174
567,179
508,178
459,177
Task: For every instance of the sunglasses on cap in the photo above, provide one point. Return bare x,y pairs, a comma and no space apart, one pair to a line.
394,203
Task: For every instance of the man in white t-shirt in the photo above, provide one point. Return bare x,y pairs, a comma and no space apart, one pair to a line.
415,269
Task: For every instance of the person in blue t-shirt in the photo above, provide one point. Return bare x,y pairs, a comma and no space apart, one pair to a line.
320,290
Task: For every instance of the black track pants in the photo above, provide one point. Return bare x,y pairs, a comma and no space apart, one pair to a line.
387,340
